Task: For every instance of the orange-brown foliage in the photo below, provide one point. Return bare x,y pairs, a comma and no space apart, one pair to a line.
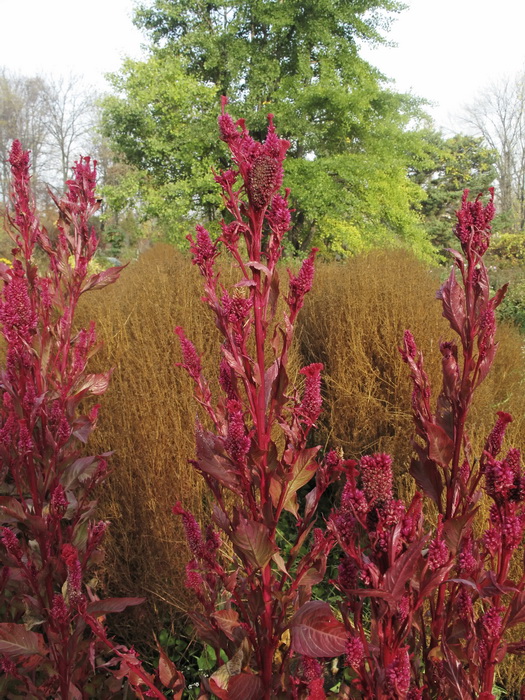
353,321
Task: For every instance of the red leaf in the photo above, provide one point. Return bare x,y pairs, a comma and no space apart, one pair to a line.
227,621
455,674
102,279
96,384
169,675
428,478
500,295
315,632
258,266
454,527
517,610
12,510
453,297
210,459
111,605
82,428
80,470
302,468
486,363
245,686
397,576
253,539
440,446
220,680
16,641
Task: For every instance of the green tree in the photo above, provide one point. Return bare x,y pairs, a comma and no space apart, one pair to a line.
444,168
299,60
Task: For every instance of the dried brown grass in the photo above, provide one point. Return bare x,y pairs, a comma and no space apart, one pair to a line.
147,418
353,321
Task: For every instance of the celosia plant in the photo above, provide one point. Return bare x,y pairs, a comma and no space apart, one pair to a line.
440,601
51,629
248,601
471,611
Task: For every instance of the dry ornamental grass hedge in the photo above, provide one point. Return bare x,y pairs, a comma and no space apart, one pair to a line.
353,322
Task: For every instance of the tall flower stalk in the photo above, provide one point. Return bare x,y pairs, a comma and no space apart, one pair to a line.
450,474
52,634
248,602
426,607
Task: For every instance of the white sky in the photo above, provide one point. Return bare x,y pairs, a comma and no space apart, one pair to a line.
451,51
448,51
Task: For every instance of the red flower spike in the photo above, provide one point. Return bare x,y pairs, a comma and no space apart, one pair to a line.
473,228
311,403
42,431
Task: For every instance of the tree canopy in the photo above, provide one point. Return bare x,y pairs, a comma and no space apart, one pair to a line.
352,138
444,169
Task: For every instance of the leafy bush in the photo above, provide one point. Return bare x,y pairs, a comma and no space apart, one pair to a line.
50,537
441,597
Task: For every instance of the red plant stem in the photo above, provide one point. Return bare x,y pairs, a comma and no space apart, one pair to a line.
144,677
263,438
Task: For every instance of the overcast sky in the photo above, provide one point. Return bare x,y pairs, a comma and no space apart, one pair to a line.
448,51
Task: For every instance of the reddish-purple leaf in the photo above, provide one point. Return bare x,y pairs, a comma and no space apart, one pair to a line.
486,363
245,686
80,470
82,428
315,631
210,459
11,509
169,675
440,446
453,529
453,297
403,570
219,681
16,641
302,468
255,265
444,412
111,605
373,593
428,478
517,610
227,621
455,674
500,295
269,378
253,539
102,279
96,384
432,580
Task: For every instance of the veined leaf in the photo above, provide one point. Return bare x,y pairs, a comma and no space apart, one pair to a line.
16,641
427,477
315,631
440,446
102,279
169,675
517,610
111,605
253,539
210,459
401,572
228,621
303,469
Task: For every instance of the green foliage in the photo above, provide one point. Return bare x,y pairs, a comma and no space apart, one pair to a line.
508,248
350,147
161,120
444,168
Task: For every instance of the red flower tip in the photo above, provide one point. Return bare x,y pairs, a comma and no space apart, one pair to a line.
177,509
